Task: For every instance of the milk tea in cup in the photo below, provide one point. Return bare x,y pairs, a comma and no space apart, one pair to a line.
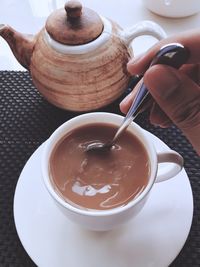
99,180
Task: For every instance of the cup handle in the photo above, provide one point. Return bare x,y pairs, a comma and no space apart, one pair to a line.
170,170
145,27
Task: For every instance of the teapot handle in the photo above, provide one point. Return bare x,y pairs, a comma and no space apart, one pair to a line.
145,27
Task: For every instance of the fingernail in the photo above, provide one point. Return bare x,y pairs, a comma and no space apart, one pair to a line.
125,100
165,125
162,81
134,60
162,125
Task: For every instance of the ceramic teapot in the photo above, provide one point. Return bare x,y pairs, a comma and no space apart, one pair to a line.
78,60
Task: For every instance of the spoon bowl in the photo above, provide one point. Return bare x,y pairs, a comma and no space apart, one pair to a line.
100,146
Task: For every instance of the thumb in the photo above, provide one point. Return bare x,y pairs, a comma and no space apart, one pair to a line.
178,97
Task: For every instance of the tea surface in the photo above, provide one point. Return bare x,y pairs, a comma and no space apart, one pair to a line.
100,181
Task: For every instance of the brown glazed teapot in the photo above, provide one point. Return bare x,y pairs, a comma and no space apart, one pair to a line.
78,60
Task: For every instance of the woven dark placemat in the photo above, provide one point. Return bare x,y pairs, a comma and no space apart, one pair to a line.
26,121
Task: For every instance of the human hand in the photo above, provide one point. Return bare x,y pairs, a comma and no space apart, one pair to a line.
176,92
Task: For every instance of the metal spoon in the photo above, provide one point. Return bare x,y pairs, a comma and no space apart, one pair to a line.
174,55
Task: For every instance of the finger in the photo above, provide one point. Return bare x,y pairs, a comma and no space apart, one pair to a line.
192,71
127,101
159,117
190,39
178,97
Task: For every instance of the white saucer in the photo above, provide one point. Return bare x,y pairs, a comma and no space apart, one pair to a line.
152,239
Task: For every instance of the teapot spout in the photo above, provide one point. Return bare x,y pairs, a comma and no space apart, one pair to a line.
21,45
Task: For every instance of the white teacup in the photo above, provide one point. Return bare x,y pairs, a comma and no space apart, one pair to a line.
173,8
107,219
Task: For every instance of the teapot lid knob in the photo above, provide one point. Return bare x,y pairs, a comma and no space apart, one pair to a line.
74,24
73,9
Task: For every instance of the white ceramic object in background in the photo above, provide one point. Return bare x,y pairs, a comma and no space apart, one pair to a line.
108,219
173,8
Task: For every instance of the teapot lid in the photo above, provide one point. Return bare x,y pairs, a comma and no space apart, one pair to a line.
74,24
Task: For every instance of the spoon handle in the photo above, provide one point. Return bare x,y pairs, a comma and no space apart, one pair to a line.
174,55
134,110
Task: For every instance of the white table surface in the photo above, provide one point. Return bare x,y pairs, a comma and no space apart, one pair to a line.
29,16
